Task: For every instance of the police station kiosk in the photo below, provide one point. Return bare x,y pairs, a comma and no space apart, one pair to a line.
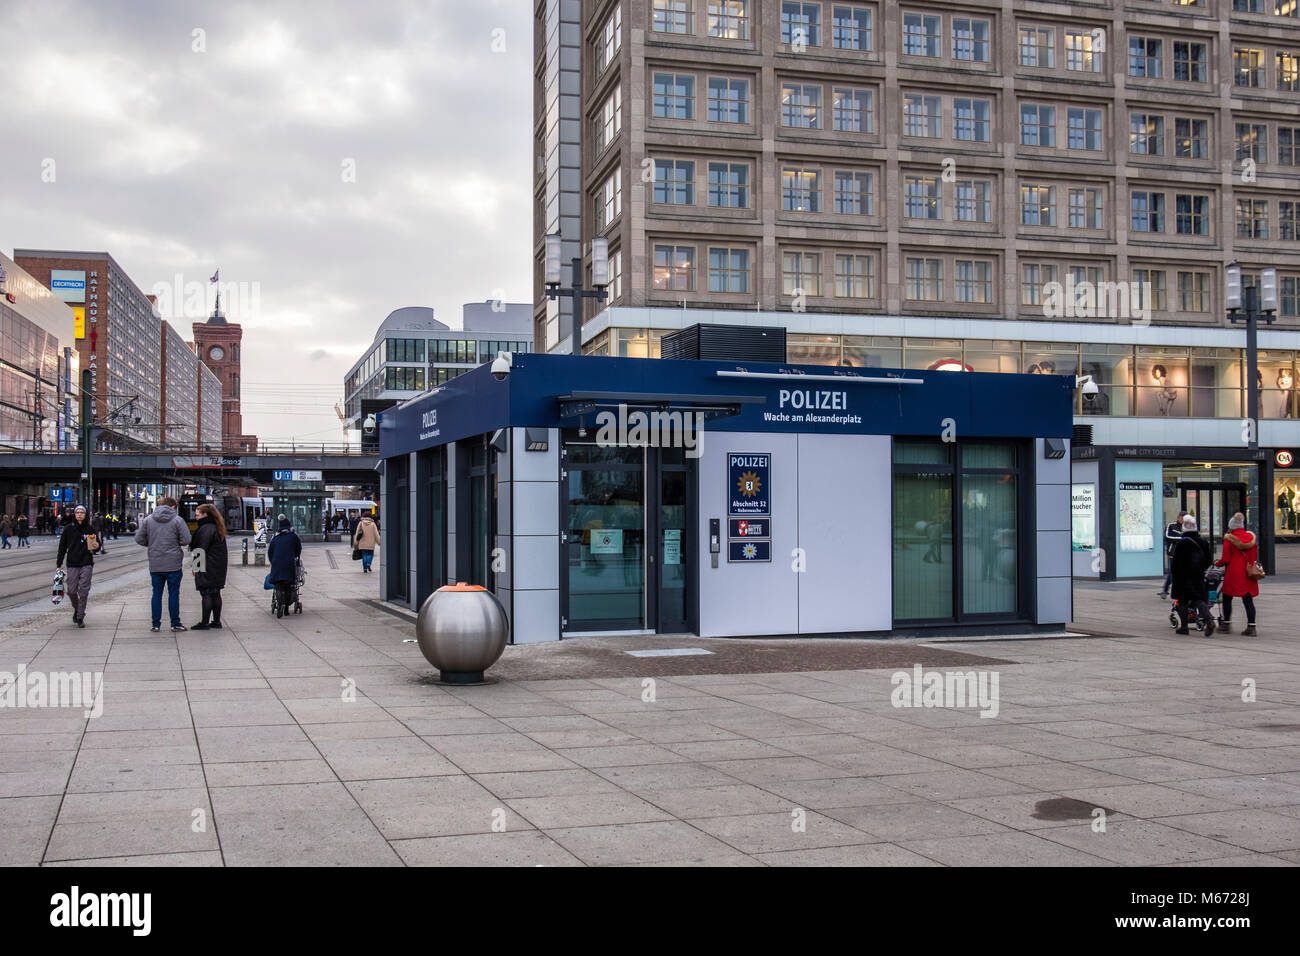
601,496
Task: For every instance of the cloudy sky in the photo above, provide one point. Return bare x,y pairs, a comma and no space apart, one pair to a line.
340,158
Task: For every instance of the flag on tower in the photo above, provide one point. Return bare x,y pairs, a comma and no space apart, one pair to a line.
216,277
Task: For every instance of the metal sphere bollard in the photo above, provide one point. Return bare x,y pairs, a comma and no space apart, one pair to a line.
461,630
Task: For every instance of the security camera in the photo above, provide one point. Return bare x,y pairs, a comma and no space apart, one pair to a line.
369,425
502,365
1086,385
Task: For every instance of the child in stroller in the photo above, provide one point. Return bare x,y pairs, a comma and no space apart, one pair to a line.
1213,581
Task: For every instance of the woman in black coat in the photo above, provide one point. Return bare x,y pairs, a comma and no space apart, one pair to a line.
210,539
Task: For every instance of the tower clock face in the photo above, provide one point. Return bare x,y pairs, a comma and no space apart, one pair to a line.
216,353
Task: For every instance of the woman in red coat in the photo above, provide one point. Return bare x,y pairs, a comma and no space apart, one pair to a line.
1240,549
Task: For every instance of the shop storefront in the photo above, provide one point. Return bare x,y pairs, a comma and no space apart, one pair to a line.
1286,494
603,495
1124,497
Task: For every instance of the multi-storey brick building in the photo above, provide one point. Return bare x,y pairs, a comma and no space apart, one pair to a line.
217,343
903,185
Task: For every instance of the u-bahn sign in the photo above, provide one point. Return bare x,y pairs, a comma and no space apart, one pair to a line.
206,461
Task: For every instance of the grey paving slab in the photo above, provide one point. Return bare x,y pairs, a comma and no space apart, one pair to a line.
517,848
1261,830
899,822
765,832
629,843
544,783
434,806
195,858
1007,848
1139,843
730,800
865,854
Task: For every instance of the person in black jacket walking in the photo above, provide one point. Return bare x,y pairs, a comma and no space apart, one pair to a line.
210,539
77,545
1173,532
1192,556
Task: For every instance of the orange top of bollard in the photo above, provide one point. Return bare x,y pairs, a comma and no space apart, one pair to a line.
462,586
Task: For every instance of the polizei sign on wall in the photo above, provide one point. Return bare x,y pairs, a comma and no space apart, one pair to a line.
749,477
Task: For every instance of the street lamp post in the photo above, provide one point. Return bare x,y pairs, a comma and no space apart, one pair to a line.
1249,305
599,279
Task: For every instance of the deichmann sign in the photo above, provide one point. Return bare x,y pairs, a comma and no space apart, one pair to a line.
68,284
206,461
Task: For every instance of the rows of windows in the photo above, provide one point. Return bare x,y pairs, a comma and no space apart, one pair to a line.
1253,138
404,378
488,348
1254,68
1148,135
404,350
453,350
730,270
1132,380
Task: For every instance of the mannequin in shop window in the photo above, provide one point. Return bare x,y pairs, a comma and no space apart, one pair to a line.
1285,386
1167,395
1286,508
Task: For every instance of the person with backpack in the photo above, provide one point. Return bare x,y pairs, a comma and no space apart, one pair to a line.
165,534
1192,557
77,545
1173,531
1239,561
210,539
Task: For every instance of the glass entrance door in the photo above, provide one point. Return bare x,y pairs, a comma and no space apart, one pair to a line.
672,563
605,530
1212,504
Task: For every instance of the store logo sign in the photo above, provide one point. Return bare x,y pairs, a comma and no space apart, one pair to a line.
1284,458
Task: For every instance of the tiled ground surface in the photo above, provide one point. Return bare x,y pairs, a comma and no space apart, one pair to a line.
236,747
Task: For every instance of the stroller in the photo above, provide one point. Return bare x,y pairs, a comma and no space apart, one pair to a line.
285,597
1213,581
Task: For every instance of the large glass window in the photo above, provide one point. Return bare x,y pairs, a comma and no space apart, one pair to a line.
729,19
673,16
674,96
850,27
674,268
801,23
801,105
1162,382
801,189
920,34
728,270
851,110
729,185
728,100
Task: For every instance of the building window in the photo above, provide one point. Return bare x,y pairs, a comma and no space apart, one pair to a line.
1289,291
1146,134
1288,220
675,268
1037,125
729,19
672,16
801,189
610,120
1145,57
1193,292
801,105
1151,292
801,273
973,281
615,284
1037,205
610,203
972,200
1085,208
851,27
1252,218
1288,72
801,24
1288,145
1191,138
1083,50
1084,129
920,34
924,279
674,182
1192,215
1034,277
1037,47
1248,67
1286,8
674,96
921,198
1252,142
1189,62
853,193
728,100
851,110
855,277
728,270
611,39
1147,211
971,119
922,116
970,40
403,379
729,185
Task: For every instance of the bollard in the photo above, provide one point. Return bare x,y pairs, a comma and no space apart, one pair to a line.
461,630
245,549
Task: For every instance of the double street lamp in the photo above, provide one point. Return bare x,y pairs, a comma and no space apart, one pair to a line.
1249,304
599,279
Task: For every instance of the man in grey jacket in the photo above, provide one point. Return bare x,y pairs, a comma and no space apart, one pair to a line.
165,534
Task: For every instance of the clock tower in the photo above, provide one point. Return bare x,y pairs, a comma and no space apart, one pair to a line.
216,342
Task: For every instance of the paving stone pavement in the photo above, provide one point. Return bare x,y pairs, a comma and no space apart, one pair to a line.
238,747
